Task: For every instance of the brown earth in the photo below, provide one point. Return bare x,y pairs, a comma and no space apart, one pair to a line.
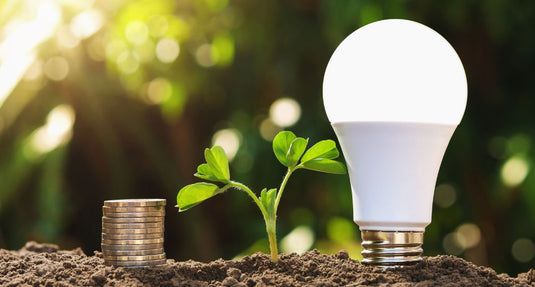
45,265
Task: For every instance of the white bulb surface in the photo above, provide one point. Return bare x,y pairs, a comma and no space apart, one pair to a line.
395,70
394,91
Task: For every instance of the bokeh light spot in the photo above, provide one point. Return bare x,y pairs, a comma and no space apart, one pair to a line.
114,49
468,235
222,50
298,240
56,68
445,195
145,51
523,250
86,23
203,55
229,140
285,112
136,32
268,130
514,171
128,62
518,144
66,38
159,90
167,50
56,131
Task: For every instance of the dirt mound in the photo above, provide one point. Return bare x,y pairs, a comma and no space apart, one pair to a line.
44,264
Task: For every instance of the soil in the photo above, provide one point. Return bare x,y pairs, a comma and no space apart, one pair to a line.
45,265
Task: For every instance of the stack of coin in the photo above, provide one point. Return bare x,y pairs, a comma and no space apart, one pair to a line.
133,232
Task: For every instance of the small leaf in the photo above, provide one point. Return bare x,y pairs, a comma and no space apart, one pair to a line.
271,196
193,194
268,200
263,197
205,172
218,163
325,165
281,145
325,149
296,150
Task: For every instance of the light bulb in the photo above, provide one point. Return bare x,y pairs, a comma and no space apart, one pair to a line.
394,92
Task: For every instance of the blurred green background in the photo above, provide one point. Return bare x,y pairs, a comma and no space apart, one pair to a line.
117,99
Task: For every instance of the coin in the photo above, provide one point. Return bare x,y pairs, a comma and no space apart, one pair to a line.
160,213
111,247
133,241
133,209
134,258
135,202
132,252
133,225
135,263
132,236
132,220
132,230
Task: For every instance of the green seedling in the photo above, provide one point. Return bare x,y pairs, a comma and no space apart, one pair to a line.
289,150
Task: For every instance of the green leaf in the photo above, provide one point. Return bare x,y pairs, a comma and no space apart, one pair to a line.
218,163
325,149
281,145
205,172
325,165
296,150
193,194
268,200
263,197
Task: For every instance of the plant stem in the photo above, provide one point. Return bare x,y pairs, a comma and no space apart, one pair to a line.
281,188
270,218
271,228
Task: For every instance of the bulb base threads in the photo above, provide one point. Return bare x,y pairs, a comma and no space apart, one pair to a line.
391,248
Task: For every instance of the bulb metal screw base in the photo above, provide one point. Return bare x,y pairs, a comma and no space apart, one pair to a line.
391,248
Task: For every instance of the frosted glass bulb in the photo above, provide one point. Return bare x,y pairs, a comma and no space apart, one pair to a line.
394,91
395,70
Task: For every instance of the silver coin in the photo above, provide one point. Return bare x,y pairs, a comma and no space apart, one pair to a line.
112,247
133,241
135,202
132,252
132,230
160,213
132,236
133,225
135,257
115,209
135,262
132,220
